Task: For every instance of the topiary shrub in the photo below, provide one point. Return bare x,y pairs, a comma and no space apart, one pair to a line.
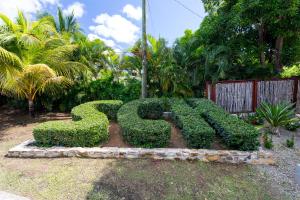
141,132
236,133
150,109
88,128
196,132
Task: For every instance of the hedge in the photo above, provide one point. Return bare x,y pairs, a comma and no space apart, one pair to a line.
143,132
236,133
88,128
195,130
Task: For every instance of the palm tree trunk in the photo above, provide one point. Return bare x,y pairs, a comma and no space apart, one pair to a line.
31,108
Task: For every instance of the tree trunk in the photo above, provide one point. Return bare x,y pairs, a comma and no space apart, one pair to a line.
261,38
31,108
278,51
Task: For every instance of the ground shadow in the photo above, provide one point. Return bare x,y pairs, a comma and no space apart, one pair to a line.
150,179
10,118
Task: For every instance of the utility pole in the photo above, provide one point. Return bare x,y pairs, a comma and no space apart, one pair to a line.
144,53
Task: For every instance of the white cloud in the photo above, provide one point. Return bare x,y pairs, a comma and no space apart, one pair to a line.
76,7
108,42
115,27
29,7
133,12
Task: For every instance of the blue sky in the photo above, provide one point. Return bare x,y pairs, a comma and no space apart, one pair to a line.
118,22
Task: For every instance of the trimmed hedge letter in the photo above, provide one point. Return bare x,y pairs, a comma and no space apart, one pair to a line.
88,128
138,130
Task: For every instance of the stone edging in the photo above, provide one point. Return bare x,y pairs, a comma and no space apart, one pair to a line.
28,150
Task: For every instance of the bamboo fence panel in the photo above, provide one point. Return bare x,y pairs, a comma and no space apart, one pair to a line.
275,91
235,97
244,96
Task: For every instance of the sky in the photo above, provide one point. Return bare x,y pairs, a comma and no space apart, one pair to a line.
118,22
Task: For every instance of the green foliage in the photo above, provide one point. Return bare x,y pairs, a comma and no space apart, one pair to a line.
290,143
268,142
277,115
151,109
143,132
195,130
165,77
292,71
254,119
88,128
293,126
236,133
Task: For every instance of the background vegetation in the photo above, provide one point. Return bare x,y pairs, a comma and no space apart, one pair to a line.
238,39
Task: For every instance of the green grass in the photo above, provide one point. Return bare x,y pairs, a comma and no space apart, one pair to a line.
98,179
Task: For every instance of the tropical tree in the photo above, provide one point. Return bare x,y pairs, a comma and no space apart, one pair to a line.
165,78
46,58
33,80
9,64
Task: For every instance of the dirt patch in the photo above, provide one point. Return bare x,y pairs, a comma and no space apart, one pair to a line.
177,140
115,136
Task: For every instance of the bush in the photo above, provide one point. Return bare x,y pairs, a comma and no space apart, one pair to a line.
88,128
143,132
268,142
197,133
150,109
254,119
290,143
293,126
236,133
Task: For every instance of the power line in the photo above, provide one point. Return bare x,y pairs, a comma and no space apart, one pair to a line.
187,8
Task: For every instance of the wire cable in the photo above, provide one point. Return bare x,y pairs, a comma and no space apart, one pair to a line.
187,8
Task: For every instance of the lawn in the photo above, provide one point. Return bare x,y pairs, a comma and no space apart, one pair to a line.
120,179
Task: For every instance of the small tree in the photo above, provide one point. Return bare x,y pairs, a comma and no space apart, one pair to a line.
33,80
277,115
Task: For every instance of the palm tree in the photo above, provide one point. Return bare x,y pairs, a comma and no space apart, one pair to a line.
9,64
33,80
48,59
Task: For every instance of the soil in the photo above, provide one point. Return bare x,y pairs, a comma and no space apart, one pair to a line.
115,136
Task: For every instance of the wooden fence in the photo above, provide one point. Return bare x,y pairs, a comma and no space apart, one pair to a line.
240,96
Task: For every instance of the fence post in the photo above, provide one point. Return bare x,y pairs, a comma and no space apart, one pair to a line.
213,92
295,93
254,95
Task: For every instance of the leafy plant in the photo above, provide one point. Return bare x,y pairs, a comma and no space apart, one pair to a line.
290,143
254,119
268,142
293,126
277,115
34,80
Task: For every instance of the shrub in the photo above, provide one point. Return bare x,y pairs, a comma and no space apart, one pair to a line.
143,132
293,126
268,142
254,119
88,128
195,130
150,109
236,133
290,143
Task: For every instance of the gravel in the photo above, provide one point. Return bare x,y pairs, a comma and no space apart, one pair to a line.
282,175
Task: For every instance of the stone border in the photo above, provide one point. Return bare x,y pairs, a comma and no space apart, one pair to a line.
28,150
